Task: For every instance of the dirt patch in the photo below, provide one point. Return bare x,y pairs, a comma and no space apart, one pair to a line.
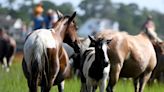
18,57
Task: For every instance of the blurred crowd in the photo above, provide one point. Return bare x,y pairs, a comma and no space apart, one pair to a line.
43,21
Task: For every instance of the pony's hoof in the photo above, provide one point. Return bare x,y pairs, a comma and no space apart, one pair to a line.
7,70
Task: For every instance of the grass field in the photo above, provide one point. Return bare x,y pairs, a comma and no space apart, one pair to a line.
14,81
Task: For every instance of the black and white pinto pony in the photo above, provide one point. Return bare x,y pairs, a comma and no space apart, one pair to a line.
7,49
45,61
94,66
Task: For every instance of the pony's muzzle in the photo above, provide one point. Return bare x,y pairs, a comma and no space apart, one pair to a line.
106,63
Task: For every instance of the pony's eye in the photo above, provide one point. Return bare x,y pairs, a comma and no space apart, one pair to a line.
99,47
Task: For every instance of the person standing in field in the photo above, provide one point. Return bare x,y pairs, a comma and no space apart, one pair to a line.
38,19
50,18
150,28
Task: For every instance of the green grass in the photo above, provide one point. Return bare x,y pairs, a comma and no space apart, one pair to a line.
14,81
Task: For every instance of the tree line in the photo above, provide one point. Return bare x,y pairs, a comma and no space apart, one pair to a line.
130,17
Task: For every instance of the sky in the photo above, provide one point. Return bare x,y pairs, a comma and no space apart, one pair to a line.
157,5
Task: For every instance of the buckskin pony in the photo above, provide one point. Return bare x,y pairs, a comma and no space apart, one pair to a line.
130,56
7,49
45,61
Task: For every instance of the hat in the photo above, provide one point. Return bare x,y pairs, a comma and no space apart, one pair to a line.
38,9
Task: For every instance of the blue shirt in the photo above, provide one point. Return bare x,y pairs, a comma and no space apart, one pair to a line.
48,22
38,22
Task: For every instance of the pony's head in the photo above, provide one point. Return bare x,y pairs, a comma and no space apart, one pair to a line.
70,34
159,47
101,48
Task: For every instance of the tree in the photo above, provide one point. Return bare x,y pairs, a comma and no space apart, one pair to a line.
124,15
66,8
11,3
97,9
48,5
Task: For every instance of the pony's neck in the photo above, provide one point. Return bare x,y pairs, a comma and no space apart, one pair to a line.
60,30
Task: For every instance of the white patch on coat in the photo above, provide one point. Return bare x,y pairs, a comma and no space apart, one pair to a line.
36,44
87,64
105,47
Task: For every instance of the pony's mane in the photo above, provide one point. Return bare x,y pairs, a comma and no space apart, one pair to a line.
66,16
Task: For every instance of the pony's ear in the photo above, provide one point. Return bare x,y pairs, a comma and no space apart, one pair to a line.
161,45
59,14
108,41
93,41
71,18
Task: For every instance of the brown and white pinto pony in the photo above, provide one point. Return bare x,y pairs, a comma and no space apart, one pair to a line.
45,61
7,49
130,56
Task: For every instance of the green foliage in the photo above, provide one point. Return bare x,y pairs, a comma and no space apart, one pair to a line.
66,8
3,10
48,5
130,17
97,9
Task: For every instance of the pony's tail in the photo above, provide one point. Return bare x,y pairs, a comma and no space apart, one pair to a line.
41,58
45,65
36,53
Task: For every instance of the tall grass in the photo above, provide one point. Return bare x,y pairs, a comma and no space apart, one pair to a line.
14,81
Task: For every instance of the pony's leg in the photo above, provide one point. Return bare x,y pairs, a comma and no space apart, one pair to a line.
33,85
53,73
136,84
34,77
2,62
89,88
5,60
53,66
152,77
61,87
160,79
113,77
10,60
103,85
24,68
143,80
145,76
26,73
94,88
83,87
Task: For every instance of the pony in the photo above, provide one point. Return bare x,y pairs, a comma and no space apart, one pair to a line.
159,69
94,67
130,56
7,49
45,62
84,62
75,54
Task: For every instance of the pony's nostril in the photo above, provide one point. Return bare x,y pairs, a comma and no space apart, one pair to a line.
106,64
